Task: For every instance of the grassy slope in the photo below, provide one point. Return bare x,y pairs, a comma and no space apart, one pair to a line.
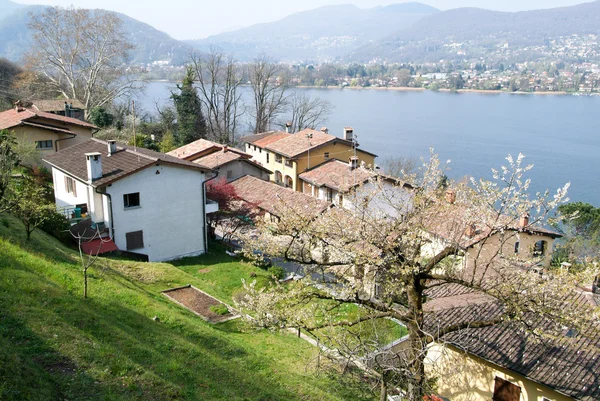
55,345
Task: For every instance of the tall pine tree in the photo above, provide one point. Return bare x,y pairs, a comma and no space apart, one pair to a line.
191,124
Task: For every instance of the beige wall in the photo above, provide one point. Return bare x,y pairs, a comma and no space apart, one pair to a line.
238,168
339,150
34,134
464,377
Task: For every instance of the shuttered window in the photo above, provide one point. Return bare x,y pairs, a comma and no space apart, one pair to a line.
70,186
135,240
506,391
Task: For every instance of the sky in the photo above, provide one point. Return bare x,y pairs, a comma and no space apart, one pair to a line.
195,19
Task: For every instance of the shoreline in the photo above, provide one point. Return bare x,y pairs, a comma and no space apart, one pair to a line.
411,89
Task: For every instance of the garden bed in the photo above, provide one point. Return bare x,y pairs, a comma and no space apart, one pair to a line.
200,303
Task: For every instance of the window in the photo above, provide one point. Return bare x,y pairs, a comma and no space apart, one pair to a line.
289,183
131,200
288,163
326,155
505,390
329,194
229,174
539,248
135,240
278,158
70,186
44,145
255,148
517,244
267,157
278,177
259,150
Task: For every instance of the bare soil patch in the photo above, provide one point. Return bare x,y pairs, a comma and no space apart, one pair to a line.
198,302
203,271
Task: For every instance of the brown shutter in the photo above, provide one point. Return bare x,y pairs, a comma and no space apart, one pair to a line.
74,187
135,240
506,391
66,184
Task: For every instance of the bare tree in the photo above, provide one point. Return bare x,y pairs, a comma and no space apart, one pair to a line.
400,166
268,93
82,54
389,267
306,112
218,80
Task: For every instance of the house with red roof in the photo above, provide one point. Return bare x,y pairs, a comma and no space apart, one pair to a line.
49,131
230,163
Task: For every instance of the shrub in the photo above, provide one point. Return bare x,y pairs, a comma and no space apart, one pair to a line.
277,271
57,225
219,309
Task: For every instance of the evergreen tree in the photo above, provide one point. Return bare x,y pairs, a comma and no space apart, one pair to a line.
191,124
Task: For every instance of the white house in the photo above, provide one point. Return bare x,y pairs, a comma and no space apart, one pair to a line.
147,202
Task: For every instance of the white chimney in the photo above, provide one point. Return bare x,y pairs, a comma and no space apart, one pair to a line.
112,147
288,126
94,165
348,134
353,163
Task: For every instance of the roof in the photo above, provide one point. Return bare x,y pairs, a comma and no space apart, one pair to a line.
200,148
272,197
127,160
298,143
544,361
222,157
265,138
56,104
337,175
15,117
451,220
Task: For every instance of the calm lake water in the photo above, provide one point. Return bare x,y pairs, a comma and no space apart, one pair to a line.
560,135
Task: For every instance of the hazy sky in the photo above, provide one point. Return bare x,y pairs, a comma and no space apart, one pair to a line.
189,19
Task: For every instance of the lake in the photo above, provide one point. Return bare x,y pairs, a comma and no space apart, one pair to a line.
560,135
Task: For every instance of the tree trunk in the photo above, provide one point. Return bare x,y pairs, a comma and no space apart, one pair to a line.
418,347
85,283
383,393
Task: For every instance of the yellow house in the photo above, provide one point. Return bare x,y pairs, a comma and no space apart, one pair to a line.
501,362
50,132
289,155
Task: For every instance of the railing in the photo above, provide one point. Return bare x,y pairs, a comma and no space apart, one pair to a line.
72,213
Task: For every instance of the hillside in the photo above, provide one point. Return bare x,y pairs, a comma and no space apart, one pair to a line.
150,43
322,34
479,32
56,346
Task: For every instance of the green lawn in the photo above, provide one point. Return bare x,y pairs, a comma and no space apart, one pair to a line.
54,345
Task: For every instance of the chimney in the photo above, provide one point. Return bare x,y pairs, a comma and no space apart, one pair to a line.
353,163
450,196
225,149
67,110
471,231
288,125
524,220
94,166
325,130
112,147
348,133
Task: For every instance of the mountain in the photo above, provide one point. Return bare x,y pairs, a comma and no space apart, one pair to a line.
150,44
478,32
321,34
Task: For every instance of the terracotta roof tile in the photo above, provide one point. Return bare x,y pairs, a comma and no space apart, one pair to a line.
337,175
220,158
273,198
124,162
298,143
264,138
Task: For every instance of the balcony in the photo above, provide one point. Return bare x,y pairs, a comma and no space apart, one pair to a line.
211,206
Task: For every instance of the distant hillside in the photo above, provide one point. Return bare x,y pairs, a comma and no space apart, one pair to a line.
151,44
483,29
321,34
